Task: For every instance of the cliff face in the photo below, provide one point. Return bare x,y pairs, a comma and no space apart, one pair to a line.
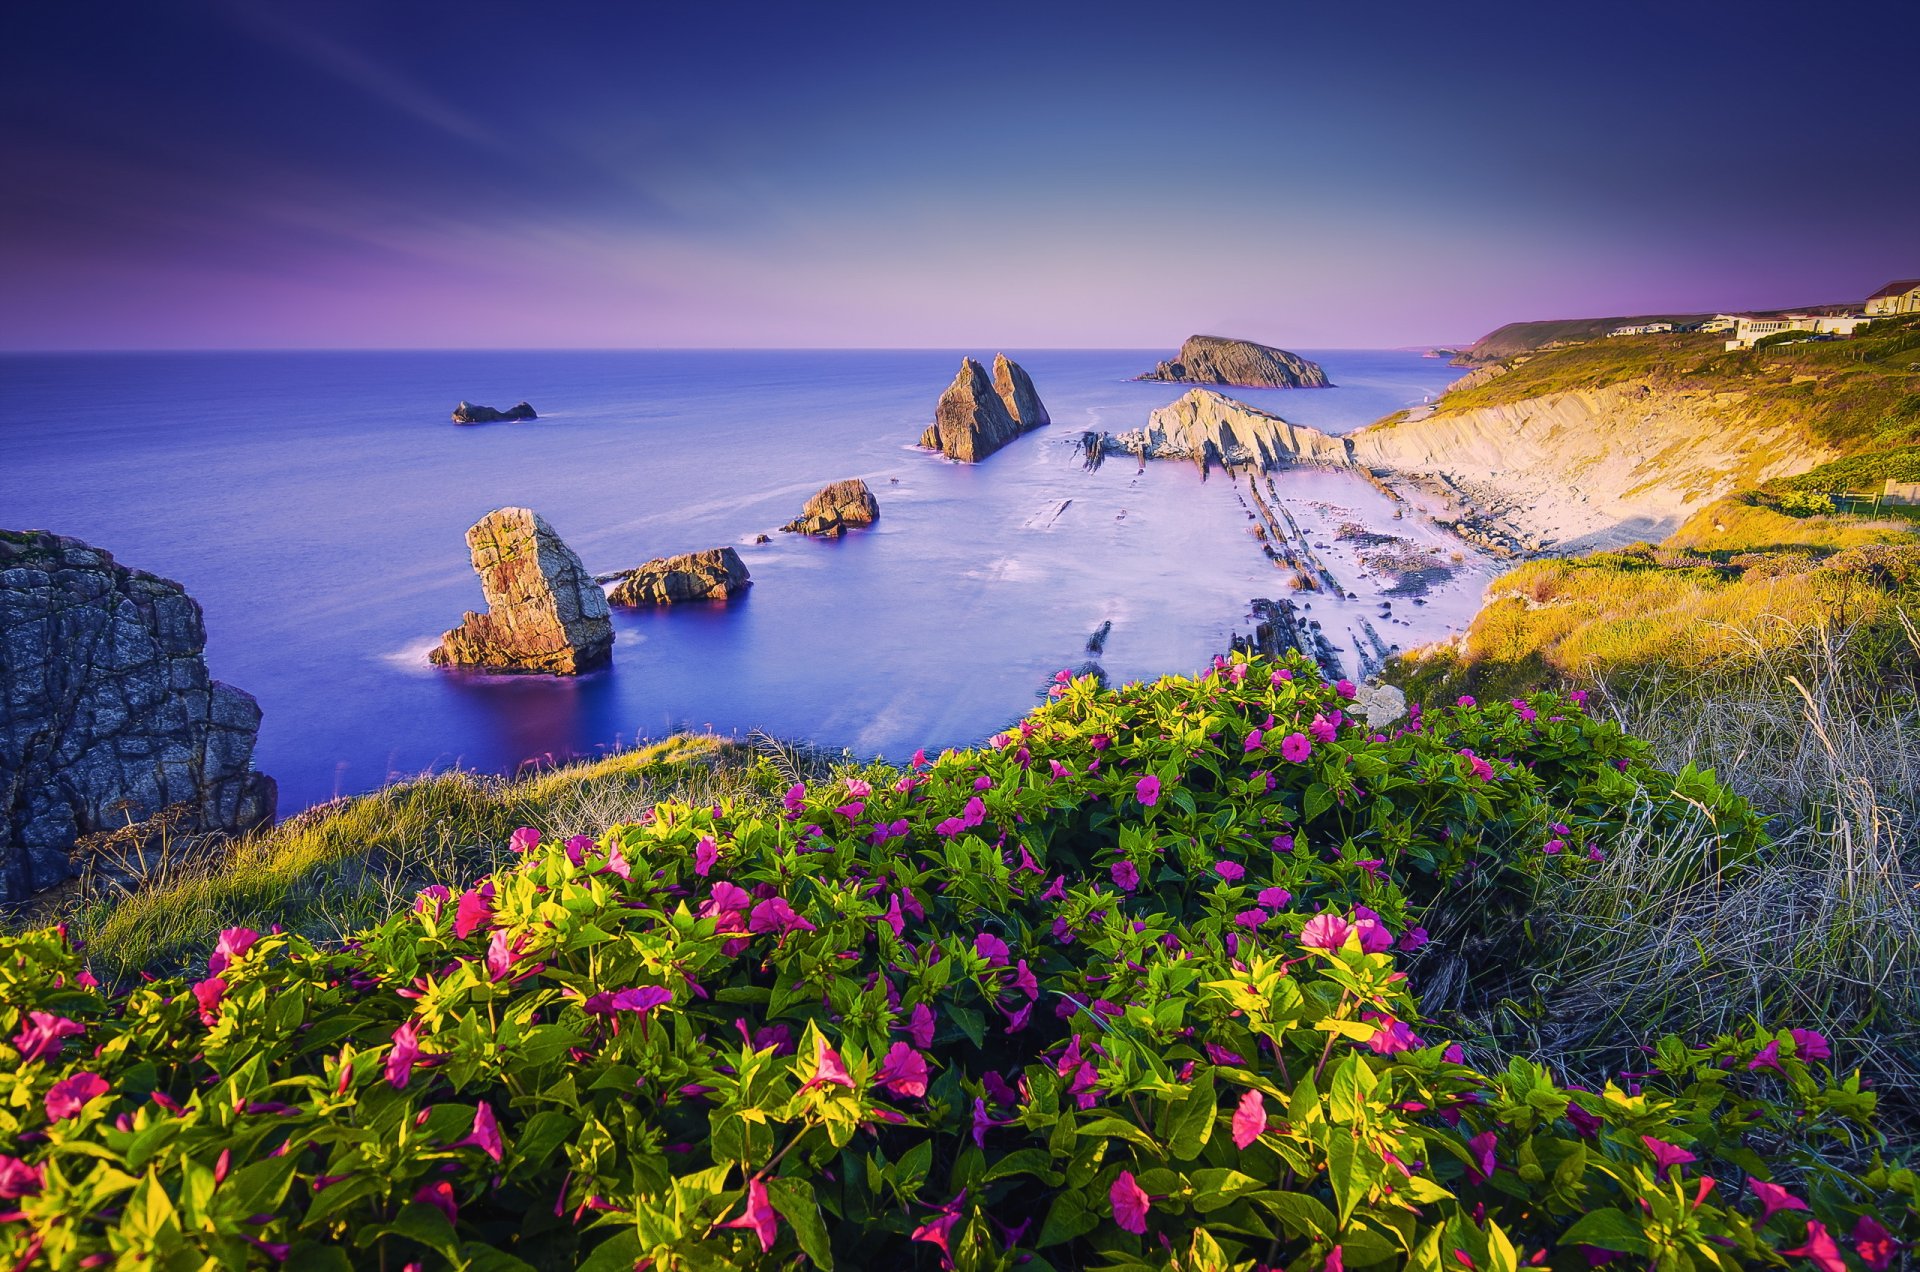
1210,428
544,611
977,416
1219,360
107,714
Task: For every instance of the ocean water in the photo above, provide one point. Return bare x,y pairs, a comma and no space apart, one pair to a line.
315,503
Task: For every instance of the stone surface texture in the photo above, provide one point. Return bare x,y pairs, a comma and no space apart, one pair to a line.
977,415
713,575
468,413
107,714
544,611
843,505
1219,360
1209,428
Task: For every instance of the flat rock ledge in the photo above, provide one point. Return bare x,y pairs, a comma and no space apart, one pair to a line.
544,611
107,714
713,575
976,415
468,413
1222,360
837,508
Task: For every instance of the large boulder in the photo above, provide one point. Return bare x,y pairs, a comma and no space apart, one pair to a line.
837,507
1219,360
713,575
468,413
976,416
544,611
107,714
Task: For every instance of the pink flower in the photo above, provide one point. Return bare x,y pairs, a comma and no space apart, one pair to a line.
1274,898
1231,871
404,1055
524,840
1336,1261
760,1217
920,1025
1279,677
859,789
432,897
439,1195
1126,875
578,847
1768,1057
475,912
1481,769
939,1229
1820,1249
1130,1202
499,955
1374,936
1482,1148
1666,1155
777,915
208,994
1250,918
44,1035
233,943
1325,931
828,1068
1249,1120
1322,729
1344,688
796,796
1294,748
643,999
18,1179
1773,1198
1147,791
990,947
1464,700
1873,1243
69,1095
904,1071
485,1135
1555,847
1413,940
1254,741
1389,1036
705,854
1808,1045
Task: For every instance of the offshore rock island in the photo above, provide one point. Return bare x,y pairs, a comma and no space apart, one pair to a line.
545,613
1240,363
713,575
976,417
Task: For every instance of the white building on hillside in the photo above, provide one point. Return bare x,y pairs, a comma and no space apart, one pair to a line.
1644,329
1748,329
1901,297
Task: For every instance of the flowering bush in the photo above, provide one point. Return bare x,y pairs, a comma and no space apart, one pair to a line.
1123,989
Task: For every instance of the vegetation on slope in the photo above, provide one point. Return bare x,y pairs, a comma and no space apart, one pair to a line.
1135,986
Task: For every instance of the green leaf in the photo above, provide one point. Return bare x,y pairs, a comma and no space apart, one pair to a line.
617,1253
794,1199
1609,1230
424,1224
1193,1120
1067,1218
1318,799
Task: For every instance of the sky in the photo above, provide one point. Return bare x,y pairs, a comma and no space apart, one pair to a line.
405,174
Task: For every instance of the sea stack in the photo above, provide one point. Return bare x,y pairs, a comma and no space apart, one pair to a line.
843,505
1219,360
713,575
107,714
1210,428
544,611
977,416
468,413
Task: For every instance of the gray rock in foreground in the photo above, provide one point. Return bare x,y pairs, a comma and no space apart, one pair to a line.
544,611
713,575
107,714
1220,360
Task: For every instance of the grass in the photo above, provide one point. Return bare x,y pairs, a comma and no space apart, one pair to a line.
344,866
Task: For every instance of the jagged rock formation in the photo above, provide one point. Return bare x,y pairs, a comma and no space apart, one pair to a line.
1210,428
977,416
545,613
843,505
1219,360
107,714
468,413
713,575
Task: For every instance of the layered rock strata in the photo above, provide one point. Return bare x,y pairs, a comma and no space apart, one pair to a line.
1220,360
837,508
976,415
544,611
713,575
107,714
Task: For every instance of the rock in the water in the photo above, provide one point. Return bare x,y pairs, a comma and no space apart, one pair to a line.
468,413
713,575
978,416
1219,360
843,505
545,613
1210,428
107,714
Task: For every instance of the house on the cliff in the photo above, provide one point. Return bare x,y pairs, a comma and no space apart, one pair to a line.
1748,329
1899,297
1642,329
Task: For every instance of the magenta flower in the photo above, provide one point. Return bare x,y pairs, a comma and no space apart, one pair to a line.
233,943
69,1095
1809,1045
796,796
1130,1203
432,897
524,840
1666,1155
642,999
1482,1149
1295,748
404,1055
1819,1249
859,789
1555,847
777,915
1586,1124
1873,1243
1768,1057
903,1071
18,1179
705,854
208,994
828,1068
1231,871
1279,677
1773,1198
1464,700
1283,843
439,1195
485,1135
44,1035
1481,769
1254,741
1126,875
1344,688
990,947
1274,898
939,1229
1147,791
1025,981
1390,1036
1249,1120
760,1218
1414,939
950,827
1323,729
1325,931
1374,936
475,912
1336,1261
920,1025
1250,918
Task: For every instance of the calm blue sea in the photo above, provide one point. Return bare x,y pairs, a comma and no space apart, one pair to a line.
314,503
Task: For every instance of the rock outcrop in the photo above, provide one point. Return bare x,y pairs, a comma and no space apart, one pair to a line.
545,613
977,416
1219,360
713,575
468,413
843,505
107,713
1210,428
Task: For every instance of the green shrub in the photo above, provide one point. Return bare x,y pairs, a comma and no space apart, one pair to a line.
1127,988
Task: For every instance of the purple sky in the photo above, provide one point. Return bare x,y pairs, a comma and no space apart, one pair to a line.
358,174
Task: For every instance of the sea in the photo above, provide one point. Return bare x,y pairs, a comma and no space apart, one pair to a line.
315,503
